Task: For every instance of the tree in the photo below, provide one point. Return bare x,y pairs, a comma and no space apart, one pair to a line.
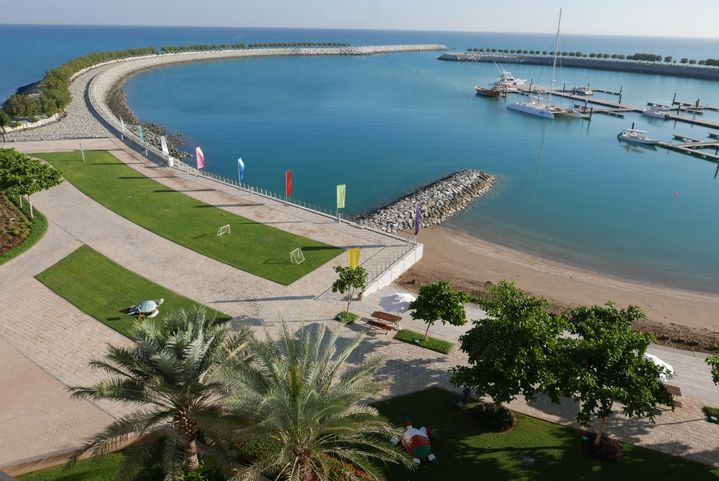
171,372
713,362
515,350
439,302
606,364
23,175
350,280
308,410
4,122
668,59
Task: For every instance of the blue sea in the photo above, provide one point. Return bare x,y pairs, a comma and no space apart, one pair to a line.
384,125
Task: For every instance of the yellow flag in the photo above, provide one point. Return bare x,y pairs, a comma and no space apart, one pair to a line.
353,257
341,190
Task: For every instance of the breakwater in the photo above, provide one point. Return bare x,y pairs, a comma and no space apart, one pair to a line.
634,66
438,201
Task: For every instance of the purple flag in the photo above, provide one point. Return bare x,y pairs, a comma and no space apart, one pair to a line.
417,219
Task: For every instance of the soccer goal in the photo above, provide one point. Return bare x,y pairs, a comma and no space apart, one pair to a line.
225,229
297,257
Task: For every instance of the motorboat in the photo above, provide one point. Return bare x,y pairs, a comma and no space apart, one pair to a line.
655,112
586,91
507,80
635,136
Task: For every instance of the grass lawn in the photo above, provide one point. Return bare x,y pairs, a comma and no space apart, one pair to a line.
417,339
467,453
103,289
253,247
103,468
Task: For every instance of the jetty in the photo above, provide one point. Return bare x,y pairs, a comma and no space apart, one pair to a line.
437,201
695,147
705,72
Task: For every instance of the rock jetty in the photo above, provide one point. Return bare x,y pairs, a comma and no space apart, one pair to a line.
438,201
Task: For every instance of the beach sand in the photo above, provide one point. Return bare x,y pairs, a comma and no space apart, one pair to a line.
470,263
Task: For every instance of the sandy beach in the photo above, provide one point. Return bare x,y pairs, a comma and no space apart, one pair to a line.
469,263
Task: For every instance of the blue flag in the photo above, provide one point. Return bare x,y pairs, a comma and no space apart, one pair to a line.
241,169
417,219
141,134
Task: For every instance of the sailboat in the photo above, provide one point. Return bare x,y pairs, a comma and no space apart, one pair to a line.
536,105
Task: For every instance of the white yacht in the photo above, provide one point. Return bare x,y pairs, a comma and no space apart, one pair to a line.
655,112
534,106
507,80
544,108
635,136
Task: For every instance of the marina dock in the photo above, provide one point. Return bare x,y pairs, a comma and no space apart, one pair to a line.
694,147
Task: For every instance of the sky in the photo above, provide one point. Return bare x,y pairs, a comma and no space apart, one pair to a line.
667,18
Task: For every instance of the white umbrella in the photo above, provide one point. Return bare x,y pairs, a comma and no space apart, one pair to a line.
667,373
397,302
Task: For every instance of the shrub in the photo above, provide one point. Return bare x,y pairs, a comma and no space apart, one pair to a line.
494,417
416,338
711,412
608,450
346,317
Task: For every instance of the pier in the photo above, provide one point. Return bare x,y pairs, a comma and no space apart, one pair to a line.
694,147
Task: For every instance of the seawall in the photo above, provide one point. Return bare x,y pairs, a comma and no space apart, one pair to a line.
438,201
655,68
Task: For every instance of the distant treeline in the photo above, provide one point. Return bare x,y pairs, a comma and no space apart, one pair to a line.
54,87
645,57
237,46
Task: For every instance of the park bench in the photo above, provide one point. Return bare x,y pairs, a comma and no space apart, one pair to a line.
675,392
379,326
386,317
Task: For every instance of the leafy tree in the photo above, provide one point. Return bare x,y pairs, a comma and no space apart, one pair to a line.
171,373
515,350
350,280
713,362
23,175
308,410
439,302
4,122
684,60
668,59
605,364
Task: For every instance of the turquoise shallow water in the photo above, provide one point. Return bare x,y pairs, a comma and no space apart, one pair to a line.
385,125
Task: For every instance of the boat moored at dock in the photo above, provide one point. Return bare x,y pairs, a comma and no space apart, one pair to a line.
635,136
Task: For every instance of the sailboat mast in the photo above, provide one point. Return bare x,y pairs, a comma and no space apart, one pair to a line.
556,52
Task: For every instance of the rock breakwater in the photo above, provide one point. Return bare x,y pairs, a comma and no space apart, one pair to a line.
438,201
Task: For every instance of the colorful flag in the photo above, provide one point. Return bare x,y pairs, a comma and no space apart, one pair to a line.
163,144
353,257
341,191
122,124
200,158
288,183
141,134
417,219
241,169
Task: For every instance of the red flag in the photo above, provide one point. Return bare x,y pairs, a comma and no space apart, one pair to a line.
288,183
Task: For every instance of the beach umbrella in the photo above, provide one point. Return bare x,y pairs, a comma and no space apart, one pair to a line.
397,302
667,373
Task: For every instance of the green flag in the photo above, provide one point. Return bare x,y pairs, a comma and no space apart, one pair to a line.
341,190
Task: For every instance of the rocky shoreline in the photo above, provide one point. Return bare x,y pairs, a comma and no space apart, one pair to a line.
438,201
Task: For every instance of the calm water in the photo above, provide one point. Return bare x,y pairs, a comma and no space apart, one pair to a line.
387,124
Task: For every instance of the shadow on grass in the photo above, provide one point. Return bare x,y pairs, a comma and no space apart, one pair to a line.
204,206
166,191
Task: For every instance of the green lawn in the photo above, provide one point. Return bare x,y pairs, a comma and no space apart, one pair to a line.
103,468
104,290
417,339
253,247
467,453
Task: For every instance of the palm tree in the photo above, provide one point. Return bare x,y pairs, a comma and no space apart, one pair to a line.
299,398
170,373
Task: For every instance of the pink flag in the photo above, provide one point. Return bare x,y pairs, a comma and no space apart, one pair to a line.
200,158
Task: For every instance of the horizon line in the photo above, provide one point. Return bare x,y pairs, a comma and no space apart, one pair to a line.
349,29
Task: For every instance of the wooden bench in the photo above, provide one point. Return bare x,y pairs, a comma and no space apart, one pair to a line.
380,326
675,392
386,317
